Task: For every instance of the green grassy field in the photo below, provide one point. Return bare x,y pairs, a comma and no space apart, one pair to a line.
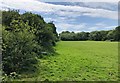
80,60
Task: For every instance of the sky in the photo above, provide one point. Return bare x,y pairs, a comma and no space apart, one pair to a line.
71,15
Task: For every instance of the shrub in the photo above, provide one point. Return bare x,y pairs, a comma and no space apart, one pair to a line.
18,52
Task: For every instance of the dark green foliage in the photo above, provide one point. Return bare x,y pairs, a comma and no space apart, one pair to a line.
82,36
67,36
50,24
103,35
8,16
17,51
45,33
95,35
112,35
71,36
117,33
25,37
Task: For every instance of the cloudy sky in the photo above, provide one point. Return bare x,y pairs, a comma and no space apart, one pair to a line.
72,15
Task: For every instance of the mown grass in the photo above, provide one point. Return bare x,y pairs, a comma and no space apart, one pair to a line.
80,60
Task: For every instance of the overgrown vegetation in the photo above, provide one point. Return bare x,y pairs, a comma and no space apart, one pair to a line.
111,35
80,61
25,37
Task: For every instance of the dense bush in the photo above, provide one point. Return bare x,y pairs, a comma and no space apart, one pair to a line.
17,51
25,37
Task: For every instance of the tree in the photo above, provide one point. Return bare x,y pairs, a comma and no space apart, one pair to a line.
45,33
53,30
111,35
103,35
8,16
18,52
67,36
25,37
95,35
82,36
117,33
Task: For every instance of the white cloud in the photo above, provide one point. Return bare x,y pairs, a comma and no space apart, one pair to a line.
71,11
71,27
57,19
83,27
101,5
63,13
101,26
79,11
92,0
80,1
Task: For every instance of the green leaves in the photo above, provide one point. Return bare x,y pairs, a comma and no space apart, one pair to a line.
25,37
112,35
18,50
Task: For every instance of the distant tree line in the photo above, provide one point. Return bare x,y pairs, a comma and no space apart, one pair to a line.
25,38
111,35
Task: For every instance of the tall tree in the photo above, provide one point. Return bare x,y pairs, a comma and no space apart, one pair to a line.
117,33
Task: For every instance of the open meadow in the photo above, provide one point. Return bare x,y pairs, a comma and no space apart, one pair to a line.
80,60
64,40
